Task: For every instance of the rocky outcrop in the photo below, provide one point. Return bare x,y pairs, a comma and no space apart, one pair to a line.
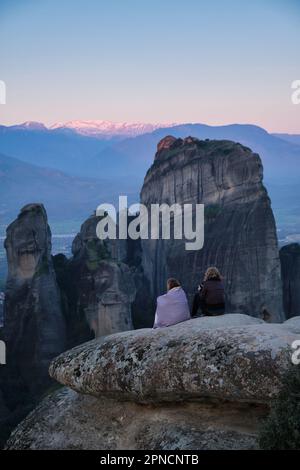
34,327
234,357
293,324
202,384
290,273
54,303
240,236
68,421
98,290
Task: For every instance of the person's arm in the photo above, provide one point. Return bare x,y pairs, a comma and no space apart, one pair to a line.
155,325
202,293
156,320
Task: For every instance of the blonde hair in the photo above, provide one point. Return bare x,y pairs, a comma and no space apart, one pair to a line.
212,273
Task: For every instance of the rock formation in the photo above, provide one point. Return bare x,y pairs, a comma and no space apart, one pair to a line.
69,421
34,327
202,384
234,357
54,303
240,235
99,289
290,273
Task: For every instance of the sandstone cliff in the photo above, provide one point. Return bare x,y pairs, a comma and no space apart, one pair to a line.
290,273
240,234
202,384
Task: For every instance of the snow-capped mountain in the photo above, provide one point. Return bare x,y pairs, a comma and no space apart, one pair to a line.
109,128
95,128
30,125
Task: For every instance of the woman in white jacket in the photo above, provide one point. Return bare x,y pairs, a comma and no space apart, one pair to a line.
172,307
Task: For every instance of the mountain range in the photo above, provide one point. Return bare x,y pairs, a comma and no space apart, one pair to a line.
72,166
63,194
108,129
95,128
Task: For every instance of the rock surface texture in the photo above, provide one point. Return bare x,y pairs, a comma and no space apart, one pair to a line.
99,290
34,326
67,420
234,357
240,235
290,273
202,384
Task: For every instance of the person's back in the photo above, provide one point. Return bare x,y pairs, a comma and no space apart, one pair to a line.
211,297
172,307
213,292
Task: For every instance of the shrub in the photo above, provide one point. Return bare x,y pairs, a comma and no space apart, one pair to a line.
282,428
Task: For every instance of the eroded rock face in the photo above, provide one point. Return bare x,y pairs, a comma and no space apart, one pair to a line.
232,357
115,291
34,327
240,235
290,273
101,289
67,420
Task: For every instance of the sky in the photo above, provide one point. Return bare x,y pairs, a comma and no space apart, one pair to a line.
210,61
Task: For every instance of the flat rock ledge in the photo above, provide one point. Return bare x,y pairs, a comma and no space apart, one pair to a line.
234,357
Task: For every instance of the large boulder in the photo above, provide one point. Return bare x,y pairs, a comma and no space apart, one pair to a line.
67,420
203,384
240,233
232,357
293,324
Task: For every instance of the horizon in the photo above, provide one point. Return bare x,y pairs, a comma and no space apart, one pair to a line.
197,62
159,125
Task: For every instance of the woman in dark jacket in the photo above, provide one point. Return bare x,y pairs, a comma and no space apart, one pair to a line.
211,295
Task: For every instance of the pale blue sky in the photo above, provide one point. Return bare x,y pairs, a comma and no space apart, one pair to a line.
214,61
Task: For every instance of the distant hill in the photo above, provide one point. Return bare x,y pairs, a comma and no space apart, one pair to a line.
293,138
65,197
66,150
280,158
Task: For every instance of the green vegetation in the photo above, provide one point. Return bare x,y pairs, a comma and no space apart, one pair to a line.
282,428
96,252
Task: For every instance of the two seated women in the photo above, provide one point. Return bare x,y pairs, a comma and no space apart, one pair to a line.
173,306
